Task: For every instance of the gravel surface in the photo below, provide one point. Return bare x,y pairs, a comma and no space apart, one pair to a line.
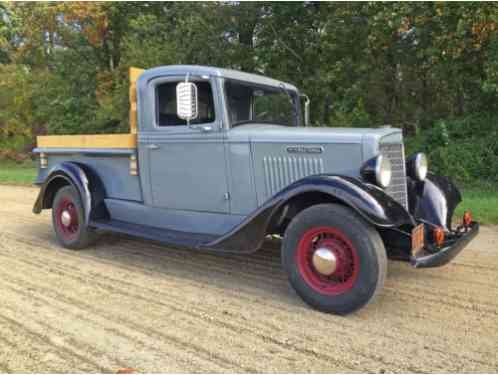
128,303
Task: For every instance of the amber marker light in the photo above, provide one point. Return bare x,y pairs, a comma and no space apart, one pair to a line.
467,218
439,236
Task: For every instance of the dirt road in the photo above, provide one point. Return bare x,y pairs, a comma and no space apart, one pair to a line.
133,303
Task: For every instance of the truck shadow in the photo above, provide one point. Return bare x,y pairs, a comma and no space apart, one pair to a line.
257,278
259,271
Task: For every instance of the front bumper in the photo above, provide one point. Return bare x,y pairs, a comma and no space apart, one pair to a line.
450,250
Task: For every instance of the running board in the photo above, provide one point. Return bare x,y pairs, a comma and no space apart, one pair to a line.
166,236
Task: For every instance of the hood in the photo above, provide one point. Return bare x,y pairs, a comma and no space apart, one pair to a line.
279,159
276,133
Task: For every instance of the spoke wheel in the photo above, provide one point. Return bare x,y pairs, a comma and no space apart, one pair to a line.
335,260
327,260
67,218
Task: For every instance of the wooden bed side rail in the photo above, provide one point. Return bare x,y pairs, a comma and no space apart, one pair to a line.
87,141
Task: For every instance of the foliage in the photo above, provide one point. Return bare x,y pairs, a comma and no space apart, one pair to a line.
465,148
482,202
429,68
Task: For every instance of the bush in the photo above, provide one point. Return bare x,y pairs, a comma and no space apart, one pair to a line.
465,149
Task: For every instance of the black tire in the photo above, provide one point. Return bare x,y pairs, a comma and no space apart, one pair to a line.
77,235
362,279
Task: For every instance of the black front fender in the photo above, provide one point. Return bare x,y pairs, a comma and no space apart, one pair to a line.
434,200
83,179
370,202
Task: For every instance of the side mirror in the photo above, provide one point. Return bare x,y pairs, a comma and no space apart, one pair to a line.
187,101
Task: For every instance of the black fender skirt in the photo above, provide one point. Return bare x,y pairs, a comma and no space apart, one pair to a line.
84,180
372,203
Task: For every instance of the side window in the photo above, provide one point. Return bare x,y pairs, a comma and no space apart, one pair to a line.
166,104
239,101
273,106
248,102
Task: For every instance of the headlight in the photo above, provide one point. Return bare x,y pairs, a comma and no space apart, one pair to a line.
383,171
418,166
378,171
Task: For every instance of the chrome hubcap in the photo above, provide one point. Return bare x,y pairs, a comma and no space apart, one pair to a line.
66,218
324,261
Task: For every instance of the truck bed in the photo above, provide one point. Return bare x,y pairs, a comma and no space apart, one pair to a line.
110,156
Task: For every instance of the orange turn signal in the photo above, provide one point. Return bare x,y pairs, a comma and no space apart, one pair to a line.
467,218
438,236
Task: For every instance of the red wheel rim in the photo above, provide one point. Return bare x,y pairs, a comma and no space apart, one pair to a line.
67,220
346,261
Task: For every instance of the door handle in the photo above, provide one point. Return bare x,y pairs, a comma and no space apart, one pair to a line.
206,129
153,147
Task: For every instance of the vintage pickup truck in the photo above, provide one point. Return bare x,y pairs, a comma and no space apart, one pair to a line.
217,160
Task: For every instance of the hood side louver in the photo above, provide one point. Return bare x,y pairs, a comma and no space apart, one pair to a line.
281,171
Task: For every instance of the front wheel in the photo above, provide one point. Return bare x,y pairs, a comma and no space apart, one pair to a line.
69,221
334,259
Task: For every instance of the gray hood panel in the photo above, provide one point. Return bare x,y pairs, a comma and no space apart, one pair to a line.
281,134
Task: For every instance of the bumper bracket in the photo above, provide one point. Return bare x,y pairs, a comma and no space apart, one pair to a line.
447,252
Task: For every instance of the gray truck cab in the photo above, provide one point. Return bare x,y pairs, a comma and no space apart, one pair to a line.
221,159
207,165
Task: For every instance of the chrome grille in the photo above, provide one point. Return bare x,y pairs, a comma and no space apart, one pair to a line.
396,154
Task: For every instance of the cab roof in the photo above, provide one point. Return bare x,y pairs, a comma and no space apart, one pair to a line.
214,71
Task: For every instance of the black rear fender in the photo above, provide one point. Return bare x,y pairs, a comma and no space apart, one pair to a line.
83,179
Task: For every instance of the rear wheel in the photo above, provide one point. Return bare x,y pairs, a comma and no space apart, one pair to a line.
68,220
335,260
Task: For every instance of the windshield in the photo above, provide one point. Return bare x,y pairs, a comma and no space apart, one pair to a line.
249,103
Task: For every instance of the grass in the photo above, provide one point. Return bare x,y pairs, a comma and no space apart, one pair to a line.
481,201
17,173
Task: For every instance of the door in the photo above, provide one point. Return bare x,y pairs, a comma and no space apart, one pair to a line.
187,162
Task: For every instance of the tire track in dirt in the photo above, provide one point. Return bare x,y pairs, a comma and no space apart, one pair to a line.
275,267
342,332
211,259
257,257
424,321
411,297
68,354
68,300
61,296
415,285
57,299
39,324
23,348
297,349
457,300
